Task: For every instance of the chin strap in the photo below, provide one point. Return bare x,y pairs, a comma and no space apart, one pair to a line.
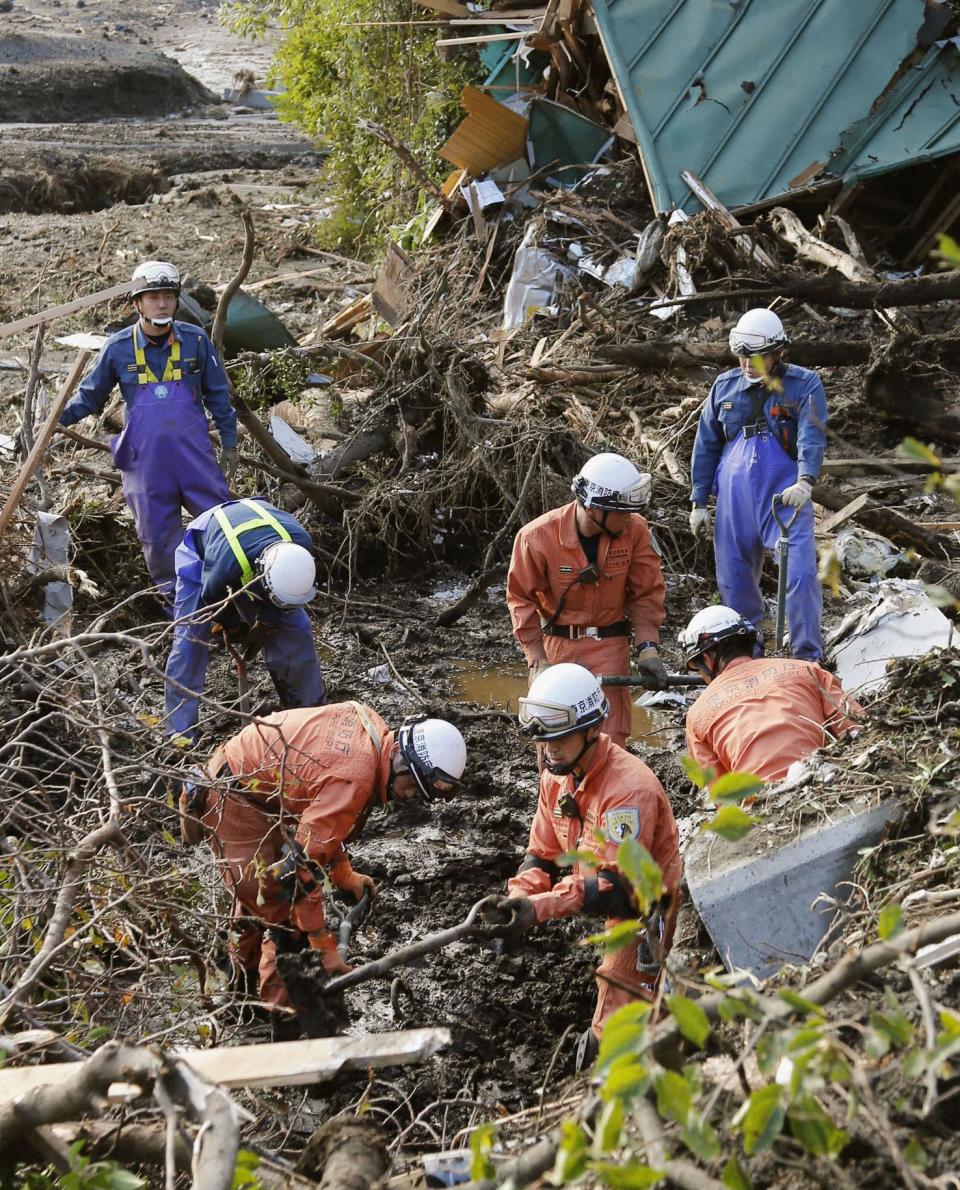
563,770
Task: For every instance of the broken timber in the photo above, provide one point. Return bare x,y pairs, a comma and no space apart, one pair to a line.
52,312
35,456
281,1064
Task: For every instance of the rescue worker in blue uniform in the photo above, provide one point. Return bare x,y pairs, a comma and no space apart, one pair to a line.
762,432
243,565
167,372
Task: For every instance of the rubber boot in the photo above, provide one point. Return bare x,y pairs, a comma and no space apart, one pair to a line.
587,1048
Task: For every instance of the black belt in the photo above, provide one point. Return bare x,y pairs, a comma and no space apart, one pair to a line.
576,631
755,429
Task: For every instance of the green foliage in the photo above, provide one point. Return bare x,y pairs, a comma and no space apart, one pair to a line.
811,1126
281,379
630,1176
691,1019
734,787
761,1119
84,1174
481,1144
699,776
949,251
731,823
890,922
342,61
734,1177
640,868
618,936
244,1171
571,1154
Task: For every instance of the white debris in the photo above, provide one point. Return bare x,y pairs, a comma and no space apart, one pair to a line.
535,275
898,620
380,674
296,446
864,554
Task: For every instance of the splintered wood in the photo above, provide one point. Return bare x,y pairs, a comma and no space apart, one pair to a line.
285,1063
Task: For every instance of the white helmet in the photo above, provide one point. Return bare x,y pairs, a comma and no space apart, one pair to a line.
288,571
563,699
710,626
611,483
435,752
758,332
154,275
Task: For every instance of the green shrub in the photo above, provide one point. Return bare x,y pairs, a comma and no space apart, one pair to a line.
340,61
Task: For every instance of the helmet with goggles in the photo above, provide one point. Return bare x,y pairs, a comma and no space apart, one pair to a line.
562,700
435,753
611,483
758,332
154,275
711,626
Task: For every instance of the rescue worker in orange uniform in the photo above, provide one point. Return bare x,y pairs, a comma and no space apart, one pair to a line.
586,577
758,715
280,801
593,796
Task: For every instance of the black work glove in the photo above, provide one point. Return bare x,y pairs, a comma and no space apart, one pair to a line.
654,673
517,914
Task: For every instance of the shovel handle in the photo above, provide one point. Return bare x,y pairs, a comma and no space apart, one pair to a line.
470,927
785,523
637,680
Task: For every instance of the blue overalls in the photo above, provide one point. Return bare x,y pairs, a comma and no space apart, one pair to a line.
746,452
208,570
164,455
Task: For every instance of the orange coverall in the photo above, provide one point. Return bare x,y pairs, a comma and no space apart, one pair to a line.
618,797
547,557
761,714
318,774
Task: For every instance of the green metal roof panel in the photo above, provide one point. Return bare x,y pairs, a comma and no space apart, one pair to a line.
748,95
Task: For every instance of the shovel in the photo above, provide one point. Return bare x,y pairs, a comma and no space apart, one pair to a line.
470,927
645,682
785,523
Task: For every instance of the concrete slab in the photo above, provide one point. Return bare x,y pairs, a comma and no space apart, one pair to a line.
756,896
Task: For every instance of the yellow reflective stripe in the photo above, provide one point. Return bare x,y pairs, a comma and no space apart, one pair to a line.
145,373
262,517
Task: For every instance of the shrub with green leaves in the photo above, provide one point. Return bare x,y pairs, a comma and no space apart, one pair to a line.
340,61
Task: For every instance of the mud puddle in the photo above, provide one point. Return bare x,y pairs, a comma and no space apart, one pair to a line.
502,685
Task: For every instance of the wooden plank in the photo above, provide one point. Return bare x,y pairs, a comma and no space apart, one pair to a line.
743,244
35,456
391,294
52,312
845,513
482,38
491,135
284,1063
878,462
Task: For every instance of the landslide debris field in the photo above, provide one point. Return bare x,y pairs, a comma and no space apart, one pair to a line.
436,440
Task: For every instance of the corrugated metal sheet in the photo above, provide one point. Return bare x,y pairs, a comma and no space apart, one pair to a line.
749,94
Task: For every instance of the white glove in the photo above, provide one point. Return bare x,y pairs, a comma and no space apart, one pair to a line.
700,522
797,494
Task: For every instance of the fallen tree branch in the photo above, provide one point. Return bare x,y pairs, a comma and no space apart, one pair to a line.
83,1091
77,864
888,523
668,1043
223,305
834,291
488,569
